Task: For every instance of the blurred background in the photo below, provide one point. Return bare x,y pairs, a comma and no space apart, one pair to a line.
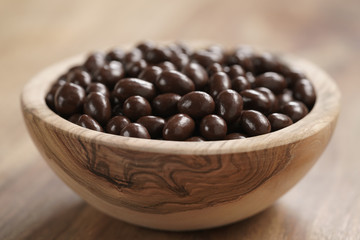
37,33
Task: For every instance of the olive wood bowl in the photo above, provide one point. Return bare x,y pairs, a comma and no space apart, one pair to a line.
174,185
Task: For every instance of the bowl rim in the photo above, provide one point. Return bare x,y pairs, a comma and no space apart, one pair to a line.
322,115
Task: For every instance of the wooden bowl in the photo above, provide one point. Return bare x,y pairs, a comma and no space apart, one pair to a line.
179,185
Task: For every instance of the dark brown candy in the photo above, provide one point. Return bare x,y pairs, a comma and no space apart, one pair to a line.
135,130
150,74
229,105
157,55
128,87
235,71
213,127
69,99
291,74
97,106
135,107
197,74
145,46
240,83
79,77
153,124
254,123
50,96
264,62
295,110
74,118
279,121
271,80
116,124
94,62
132,56
115,54
207,58
174,82
272,98
88,122
179,127
304,92
180,60
165,104
167,66
214,68
133,69
285,97
256,100
251,78
195,139
196,104
109,74
233,136
98,87
218,82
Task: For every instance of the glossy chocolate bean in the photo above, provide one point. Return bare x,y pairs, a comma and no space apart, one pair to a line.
240,83
97,106
235,71
179,127
109,74
271,80
295,110
132,56
218,83
291,74
197,74
251,78
117,110
180,60
214,68
133,69
256,100
229,105
145,46
74,118
174,82
195,139
206,58
166,104
115,54
150,74
98,87
153,124
233,136
50,96
285,97
128,87
272,98
279,121
305,92
213,127
79,77
254,123
135,130
196,104
167,66
94,62
116,124
69,99
135,107
157,55
264,62
88,122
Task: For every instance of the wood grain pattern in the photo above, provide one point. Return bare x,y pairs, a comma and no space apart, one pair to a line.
148,179
35,204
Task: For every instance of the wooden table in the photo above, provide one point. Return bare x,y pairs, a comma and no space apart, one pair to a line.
35,204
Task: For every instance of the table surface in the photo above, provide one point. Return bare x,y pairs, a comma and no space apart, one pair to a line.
35,204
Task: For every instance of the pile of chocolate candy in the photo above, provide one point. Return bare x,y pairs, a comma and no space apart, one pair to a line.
173,92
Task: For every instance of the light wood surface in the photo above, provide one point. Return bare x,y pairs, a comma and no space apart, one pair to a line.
35,204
